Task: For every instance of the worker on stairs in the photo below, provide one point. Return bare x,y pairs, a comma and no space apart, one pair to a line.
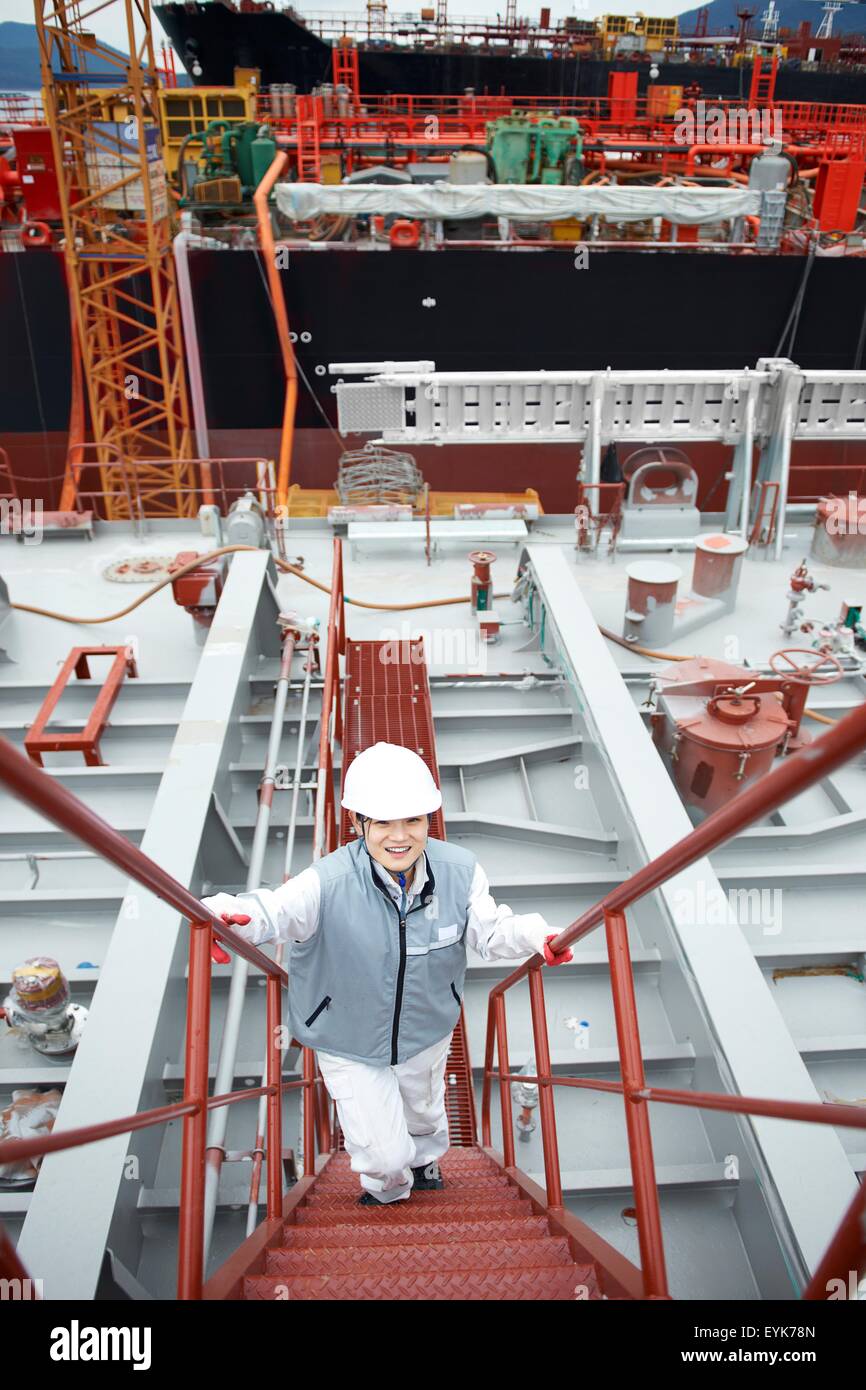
378,932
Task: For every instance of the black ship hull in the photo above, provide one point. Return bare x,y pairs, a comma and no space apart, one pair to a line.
217,39
464,309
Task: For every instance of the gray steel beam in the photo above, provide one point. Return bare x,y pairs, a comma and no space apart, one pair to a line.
807,1177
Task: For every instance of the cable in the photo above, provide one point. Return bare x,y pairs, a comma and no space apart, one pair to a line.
789,332
316,402
286,568
282,565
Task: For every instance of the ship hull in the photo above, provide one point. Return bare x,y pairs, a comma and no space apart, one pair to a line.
464,309
221,39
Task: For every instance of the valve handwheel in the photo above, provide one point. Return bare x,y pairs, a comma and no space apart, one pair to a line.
802,673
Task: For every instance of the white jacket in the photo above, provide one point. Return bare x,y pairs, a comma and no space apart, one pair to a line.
291,913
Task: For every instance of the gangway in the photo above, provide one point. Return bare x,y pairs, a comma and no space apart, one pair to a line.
306,1217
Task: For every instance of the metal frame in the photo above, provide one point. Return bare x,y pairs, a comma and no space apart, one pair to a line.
122,275
775,405
86,741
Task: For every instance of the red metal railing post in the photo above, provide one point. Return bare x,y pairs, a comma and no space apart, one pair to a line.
190,1259
309,1066
323,1122
846,1253
488,1070
504,1083
274,1129
646,1194
546,1102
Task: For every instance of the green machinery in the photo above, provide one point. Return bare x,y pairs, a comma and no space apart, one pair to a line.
235,156
536,149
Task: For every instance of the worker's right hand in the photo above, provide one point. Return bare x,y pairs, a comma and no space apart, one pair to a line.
242,916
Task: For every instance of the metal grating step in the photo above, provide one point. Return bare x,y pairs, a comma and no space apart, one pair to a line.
480,1254
345,1200
555,1283
397,1213
430,1231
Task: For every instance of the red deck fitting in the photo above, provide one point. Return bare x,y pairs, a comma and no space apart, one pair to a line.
86,740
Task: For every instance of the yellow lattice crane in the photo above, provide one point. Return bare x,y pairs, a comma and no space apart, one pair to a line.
117,228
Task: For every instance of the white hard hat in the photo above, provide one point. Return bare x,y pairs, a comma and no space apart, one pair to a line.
389,782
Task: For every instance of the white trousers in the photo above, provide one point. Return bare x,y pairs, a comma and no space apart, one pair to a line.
393,1118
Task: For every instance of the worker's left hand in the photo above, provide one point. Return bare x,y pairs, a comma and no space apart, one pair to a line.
561,958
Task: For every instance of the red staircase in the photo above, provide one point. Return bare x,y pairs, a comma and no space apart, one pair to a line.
483,1236
478,1238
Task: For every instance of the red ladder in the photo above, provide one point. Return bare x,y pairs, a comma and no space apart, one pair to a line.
307,126
346,65
763,87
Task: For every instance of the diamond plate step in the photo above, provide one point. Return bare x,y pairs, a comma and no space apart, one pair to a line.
396,1213
473,1194
481,1254
454,1158
431,1232
559,1282
464,1182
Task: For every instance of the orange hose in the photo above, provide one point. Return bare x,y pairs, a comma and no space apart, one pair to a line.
230,550
281,318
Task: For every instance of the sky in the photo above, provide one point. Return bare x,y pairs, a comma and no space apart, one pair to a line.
109,24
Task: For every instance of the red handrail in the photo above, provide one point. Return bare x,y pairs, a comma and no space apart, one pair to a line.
810,765
57,804
801,770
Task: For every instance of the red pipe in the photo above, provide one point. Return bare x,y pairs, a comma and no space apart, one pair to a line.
278,304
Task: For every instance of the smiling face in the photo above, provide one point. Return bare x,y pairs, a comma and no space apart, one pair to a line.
395,844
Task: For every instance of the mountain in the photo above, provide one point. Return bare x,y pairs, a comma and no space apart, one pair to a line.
722,18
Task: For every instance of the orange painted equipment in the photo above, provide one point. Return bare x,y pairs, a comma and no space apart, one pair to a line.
404,233
86,740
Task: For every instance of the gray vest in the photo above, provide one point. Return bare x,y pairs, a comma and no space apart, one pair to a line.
375,983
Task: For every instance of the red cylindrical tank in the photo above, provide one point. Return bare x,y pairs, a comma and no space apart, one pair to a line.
719,745
839,537
718,560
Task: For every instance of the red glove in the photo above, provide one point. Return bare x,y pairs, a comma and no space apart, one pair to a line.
218,955
561,958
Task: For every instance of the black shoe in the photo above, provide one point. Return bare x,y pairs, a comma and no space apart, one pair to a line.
428,1177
